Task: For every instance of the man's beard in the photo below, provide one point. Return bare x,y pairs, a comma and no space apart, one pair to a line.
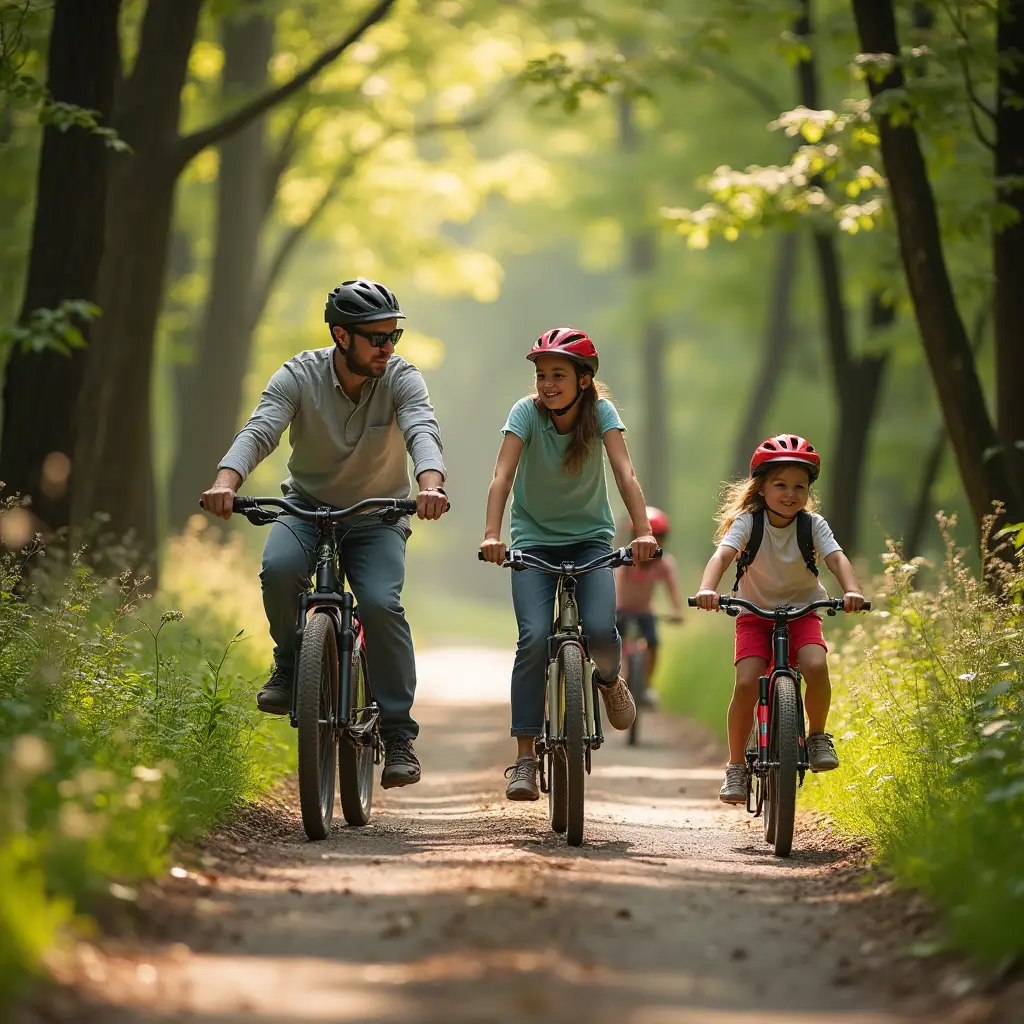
362,369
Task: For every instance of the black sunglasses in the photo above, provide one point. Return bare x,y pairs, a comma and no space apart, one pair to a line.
378,339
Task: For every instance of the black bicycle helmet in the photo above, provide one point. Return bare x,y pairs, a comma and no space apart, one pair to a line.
361,301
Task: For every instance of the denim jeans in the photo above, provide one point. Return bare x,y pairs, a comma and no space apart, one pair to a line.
533,597
373,560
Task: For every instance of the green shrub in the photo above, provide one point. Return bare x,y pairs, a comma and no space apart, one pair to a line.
118,733
928,712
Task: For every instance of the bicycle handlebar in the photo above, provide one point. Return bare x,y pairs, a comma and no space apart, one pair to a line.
254,509
519,560
732,605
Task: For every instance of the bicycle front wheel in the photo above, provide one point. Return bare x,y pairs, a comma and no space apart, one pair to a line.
636,670
355,759
557,795
780,806
317,713
571,668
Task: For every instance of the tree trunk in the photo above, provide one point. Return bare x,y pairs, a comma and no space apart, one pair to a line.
982,464
643,259
115,459
41,388
775,345
860,389
212,398
1008,244
856,381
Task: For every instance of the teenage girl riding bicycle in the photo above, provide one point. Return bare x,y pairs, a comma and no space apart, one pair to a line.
634,591
551,460
769,521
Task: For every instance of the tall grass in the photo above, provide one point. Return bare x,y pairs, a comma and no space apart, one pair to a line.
928,711
123,726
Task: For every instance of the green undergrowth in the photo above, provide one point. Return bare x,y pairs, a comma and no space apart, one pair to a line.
125,724
928,714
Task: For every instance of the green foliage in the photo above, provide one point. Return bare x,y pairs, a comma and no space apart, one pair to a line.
51,329
929,716
116,738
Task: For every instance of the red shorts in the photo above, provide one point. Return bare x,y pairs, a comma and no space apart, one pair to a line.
754,636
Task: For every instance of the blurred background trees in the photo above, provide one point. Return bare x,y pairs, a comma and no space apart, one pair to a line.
797,215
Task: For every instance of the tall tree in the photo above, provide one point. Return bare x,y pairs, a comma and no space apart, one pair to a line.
857,380
643,258
114,467
1008,240
210,391
67,248
982,462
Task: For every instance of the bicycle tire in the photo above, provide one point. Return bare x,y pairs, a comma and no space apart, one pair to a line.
571,658
355,760
636,668
782,749
316,711
557,795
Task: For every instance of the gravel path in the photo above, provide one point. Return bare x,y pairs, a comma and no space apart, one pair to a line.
455,905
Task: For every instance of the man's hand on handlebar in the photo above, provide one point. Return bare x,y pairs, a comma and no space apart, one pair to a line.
643,548
493,549
218,498
706,600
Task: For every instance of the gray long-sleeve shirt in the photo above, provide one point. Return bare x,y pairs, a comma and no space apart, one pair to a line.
342,451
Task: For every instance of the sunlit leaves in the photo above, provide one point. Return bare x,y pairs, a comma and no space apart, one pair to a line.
51,329
823,172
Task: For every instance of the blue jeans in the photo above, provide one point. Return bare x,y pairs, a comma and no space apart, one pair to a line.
373,560
533,597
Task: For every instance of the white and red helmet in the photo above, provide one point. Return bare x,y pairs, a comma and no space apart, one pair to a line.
569,342
785,450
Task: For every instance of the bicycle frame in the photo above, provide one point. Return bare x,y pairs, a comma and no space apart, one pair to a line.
330,596
566,629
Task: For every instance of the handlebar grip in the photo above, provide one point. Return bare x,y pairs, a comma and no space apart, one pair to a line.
480,557
691,602
867,606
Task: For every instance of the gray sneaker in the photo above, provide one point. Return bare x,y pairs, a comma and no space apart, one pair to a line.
276,696
523,783
734,788
821,752
618,703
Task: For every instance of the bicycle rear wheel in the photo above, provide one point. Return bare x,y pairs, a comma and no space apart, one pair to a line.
636,669
780,806
571,665
355,759
317,713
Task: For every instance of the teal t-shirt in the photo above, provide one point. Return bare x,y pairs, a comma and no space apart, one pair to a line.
550,507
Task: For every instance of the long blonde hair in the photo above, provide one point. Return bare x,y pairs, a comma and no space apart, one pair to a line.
587,428
745,496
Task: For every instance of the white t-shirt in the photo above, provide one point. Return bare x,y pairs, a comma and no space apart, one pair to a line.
778,574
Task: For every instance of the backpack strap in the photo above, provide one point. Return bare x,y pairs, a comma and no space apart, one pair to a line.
747,555
805,539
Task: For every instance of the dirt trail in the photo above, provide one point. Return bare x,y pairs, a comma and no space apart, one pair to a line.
454,905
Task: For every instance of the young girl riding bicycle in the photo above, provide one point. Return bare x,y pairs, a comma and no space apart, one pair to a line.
777,568
550,459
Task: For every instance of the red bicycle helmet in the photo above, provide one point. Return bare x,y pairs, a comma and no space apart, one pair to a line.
658,520
785,450
567,341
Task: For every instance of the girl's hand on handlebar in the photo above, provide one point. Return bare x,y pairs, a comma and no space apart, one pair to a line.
852,601
707,600
493,550
643,548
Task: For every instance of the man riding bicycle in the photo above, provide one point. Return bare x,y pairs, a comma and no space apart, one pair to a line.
354,410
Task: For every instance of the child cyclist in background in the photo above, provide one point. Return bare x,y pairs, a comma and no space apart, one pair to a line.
634,593
551,460
777,569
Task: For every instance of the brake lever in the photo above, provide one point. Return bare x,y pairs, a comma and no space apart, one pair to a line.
261,516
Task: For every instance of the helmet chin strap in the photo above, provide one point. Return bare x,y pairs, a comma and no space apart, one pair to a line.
781,515
565,409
